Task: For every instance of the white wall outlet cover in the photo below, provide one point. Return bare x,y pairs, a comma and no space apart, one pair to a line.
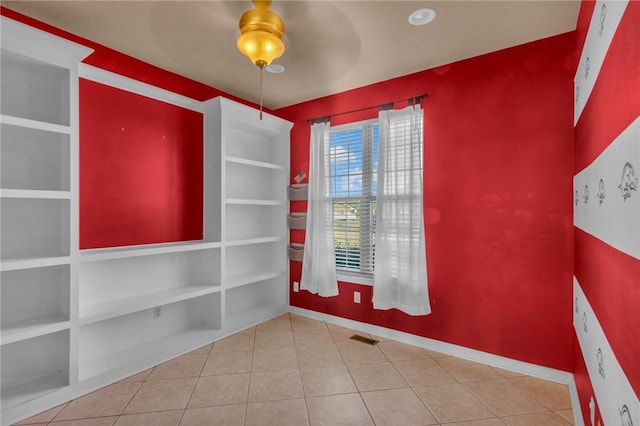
296,286
356,297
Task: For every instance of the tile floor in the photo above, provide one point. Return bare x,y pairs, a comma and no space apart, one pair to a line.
297,371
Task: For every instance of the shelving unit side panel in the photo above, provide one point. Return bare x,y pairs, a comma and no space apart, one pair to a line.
213,172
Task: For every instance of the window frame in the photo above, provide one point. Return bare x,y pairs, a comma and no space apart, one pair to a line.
350,275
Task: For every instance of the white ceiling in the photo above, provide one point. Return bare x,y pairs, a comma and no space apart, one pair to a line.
332,45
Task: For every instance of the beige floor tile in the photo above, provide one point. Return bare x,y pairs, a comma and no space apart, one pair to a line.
484,422
227,363
274,340
360,353
468,371
44,417
342,334
275,385
566,414
275,325
453,403
33,424
284,358
235,342
319,356
396,351
108,401
547,418
299,323
99,421
376,376
161,418
289,412
225,415
313,338
172,394
553,395
220,390
504,398
423,372
181,367
397,407
140,377
327,381
333,410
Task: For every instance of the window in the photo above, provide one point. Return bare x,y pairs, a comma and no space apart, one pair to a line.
353,157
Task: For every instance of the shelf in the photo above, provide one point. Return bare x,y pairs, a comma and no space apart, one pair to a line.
20,394
35,228
143,336
104,311
254,163
31,193
239,280
251,304
150,353
33,367
256,315
252,241
33,327
93,255
34,124
37,262
253,202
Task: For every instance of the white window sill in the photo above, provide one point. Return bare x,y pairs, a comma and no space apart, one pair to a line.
355,278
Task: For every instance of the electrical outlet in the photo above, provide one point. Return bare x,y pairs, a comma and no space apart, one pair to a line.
296,286
356,297
156,312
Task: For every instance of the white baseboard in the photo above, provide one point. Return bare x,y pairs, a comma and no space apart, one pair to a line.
498,361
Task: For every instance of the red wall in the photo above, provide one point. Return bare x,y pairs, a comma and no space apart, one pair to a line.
498,200
141,169
610,278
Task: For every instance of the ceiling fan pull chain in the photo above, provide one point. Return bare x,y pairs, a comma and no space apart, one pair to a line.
261,68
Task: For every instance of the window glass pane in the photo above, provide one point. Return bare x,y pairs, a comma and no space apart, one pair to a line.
353,157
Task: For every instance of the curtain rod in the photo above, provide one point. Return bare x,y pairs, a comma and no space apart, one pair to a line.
411,101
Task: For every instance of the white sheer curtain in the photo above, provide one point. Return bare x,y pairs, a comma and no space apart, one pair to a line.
400,275
319,261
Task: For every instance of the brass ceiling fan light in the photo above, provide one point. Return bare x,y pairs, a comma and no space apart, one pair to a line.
260,39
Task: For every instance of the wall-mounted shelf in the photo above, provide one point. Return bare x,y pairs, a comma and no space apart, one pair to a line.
296,252
297,220
298,191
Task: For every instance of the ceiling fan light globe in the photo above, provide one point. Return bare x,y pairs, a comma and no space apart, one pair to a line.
261,47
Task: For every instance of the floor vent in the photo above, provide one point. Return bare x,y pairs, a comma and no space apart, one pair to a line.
363,339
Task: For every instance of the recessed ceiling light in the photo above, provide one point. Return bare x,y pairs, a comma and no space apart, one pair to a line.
422,16
274,68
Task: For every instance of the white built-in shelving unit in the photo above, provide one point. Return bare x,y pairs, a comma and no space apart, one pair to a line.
254,172
75,320
38,209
